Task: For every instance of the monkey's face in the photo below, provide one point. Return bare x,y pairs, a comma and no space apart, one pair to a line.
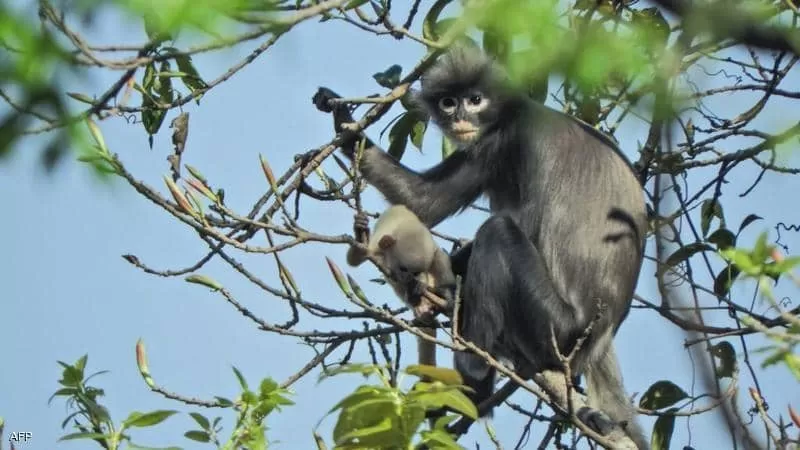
463,116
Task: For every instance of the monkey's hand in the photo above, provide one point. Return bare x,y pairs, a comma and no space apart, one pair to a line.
361,227
342,114
321,98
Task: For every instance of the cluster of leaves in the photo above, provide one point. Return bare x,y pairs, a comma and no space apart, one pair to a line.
385,416
93,420
766,265
763,263
36,63
157,90
373,416
721,240
664,395
29,65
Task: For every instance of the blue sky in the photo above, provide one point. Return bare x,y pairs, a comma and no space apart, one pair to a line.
66,290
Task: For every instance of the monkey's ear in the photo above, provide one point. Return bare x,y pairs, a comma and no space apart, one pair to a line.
386,242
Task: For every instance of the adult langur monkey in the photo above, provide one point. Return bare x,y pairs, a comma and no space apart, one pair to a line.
406,249
565,239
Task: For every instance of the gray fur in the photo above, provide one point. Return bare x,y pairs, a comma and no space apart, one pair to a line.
566,234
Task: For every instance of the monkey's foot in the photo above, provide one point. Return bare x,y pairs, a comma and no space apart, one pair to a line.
596,420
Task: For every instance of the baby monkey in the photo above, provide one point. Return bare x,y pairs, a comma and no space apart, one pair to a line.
405,248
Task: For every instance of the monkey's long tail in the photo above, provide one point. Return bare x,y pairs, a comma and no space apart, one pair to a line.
606,393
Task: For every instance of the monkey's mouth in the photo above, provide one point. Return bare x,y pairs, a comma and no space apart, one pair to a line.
465,135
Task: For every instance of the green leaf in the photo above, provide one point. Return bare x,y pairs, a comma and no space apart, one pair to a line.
224,402
196,173
248,398
85,435
762,250
432,396
354,4
357,291
201,420
390,77
439,439
362,395
240,377
64,392
662,394
192,81
589,110
785,265
199,436
793,363
496,45
724,280
267,387
370,414
165,90
363,369
429,30
585,5
418,133
742,260
149,76
97,135
442,374
71,376
152,116
338,276
747,221
368,434
443,25
442,422
447,147
686,252
143,420
776,357
398,135
662,431
710,209
655,26
411,418
80,364
723,238
205,281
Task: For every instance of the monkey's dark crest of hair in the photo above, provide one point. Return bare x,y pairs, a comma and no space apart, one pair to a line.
565,237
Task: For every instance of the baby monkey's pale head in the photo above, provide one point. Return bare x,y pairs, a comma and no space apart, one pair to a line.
462,94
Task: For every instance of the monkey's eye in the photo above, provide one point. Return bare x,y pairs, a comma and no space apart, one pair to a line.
476,99
447,104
